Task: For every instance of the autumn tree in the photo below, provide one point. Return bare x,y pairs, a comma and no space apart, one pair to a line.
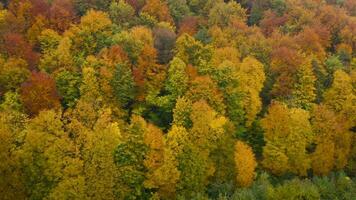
39,93
92,34
251,78
49,159
178,9
175,85
121,13
11,123
287,134
203,88
341,97
123,84
68,84
166,176
164,41
195,164
13,73
100,171
83,7
192,51
222,14
329,137
16,46
245,164
158,9
129,157
304,91
62,14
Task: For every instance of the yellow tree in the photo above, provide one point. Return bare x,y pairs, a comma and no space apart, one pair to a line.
166,176
153,138
251,77
50,160
100,171
11,181
91,35
203,88
304,91
325,127
341,97
287,134
245,164
195,162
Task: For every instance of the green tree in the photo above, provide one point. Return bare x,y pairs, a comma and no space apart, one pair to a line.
68,84
129,157
222,14
121,13
123,84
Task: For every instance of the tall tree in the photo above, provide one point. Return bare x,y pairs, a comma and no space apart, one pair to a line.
245,164
287,134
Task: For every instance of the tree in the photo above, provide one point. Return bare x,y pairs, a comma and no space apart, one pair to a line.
192,51
182,111
129,157
166,175
287,134
62,14
123,84
129,44
12,185
84,6
245,164
294,189
178,9
12,74
39,93
154,159
92,34
16,46
49,158
101,173
60,57
304,92
203,88
327,131
121,13
175,85
341,97
158,9
68,84
251,77
48,40
222,14
164,41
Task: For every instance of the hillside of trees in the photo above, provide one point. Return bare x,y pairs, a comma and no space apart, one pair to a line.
178,99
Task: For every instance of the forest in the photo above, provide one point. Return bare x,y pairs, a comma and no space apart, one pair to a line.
178,99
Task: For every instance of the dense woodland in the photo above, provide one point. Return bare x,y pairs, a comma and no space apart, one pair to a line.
178,99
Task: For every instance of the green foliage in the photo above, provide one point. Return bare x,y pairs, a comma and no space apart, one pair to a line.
68,84
293,190
121,13
123,84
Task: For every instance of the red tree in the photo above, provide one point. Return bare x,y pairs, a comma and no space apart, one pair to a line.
39,93
16,46
62,14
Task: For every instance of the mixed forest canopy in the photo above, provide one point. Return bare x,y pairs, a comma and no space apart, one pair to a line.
178,99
